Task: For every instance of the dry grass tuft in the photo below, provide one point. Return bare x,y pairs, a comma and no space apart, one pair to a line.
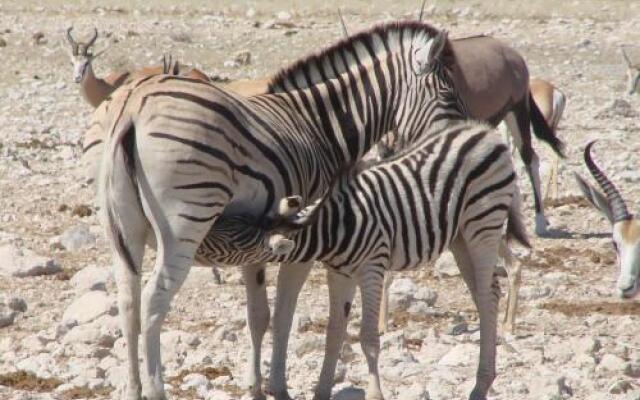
23,380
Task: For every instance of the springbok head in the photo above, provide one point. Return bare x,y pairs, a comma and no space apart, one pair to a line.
633,73
82,54
625,227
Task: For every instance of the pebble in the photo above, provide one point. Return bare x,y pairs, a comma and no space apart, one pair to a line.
611,362
23,263
91,278
89,307
77,238
460,355
446,265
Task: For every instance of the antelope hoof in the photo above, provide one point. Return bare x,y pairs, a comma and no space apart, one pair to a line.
541,226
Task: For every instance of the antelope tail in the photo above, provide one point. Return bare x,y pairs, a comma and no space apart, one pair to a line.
542,130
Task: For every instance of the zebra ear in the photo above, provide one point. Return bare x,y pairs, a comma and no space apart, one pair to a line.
289,206
428,55
280,245
593,196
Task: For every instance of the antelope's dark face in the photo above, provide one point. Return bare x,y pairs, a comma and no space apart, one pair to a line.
626,239
81,55
625,227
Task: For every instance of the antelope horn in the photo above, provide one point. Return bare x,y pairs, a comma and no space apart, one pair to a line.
70,38
422,10
626,56
93,38
345,32
616,203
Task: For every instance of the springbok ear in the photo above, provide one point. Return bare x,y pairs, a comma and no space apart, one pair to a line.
597,199
428,55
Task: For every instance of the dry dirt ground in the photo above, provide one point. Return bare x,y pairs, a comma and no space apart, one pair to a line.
574,339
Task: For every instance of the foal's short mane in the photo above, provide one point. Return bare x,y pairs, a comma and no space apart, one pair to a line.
346,47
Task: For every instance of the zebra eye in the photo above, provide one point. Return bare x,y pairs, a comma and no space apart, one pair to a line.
615,246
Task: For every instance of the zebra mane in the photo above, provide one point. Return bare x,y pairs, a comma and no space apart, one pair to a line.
321,66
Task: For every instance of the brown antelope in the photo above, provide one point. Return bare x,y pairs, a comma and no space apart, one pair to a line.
94,89
551,102
633,73
625,226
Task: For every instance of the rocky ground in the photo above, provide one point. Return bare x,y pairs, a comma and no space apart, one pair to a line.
59,337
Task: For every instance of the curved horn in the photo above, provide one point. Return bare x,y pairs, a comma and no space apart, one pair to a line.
70,38
616,203
345,32
422,10
93,38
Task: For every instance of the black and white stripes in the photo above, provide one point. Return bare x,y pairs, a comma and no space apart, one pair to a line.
181,153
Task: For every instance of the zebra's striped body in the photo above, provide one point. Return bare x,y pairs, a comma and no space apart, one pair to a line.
182,153
452,190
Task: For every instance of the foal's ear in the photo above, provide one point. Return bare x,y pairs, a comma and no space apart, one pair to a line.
431,53
593,196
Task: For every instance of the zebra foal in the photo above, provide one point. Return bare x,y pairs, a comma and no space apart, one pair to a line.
453,189
181,153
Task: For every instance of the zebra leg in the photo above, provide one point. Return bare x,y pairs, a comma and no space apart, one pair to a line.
173,263
178,239
370,283
519,125
128,284
341,292
459,250
514,276
291,277
383,323
258,321
483,255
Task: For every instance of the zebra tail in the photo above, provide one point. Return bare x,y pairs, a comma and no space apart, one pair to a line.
121,157
542,130
515,227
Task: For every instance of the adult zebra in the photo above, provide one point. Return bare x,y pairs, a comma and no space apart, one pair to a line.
182,152
454,189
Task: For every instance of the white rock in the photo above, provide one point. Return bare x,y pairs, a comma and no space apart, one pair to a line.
89,307
585,345
464,354
401,294
216,394
446,265
195,381
611,362
416,391
25,263
535,292
78,237
393,340
91,278
283,16
41,364
7,316
308,344
427,295
621,386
